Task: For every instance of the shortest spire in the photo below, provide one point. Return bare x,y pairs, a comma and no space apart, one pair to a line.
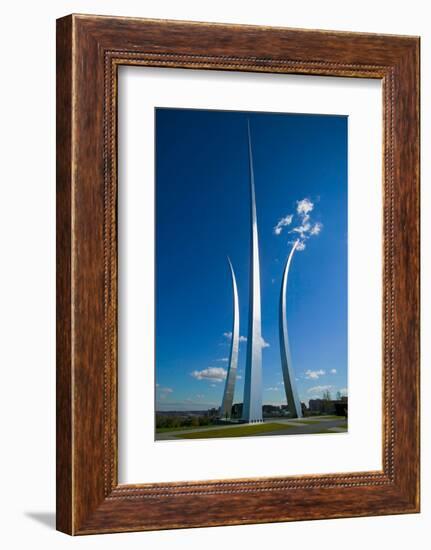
293,402
229,390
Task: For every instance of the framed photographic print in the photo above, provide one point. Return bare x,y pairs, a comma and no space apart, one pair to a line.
237,274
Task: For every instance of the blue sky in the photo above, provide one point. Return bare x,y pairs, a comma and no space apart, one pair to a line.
202,216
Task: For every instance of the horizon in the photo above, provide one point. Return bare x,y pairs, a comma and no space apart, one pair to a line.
206,409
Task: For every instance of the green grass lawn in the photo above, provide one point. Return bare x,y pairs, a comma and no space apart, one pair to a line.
309,420
180,428
320,418
247,429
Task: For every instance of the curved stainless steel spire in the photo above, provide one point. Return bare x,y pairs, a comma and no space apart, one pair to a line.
293,402
252,406
229,389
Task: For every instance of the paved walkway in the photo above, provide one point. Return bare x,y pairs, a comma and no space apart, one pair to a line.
311,425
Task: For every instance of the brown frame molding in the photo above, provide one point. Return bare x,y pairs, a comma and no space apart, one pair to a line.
89,51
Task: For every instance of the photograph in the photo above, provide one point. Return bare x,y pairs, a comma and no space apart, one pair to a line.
251,274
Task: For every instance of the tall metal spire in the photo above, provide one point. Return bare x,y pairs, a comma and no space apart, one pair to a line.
226,406
293,402
252,406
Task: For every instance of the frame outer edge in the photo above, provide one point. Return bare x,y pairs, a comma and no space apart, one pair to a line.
81,506
64,368
407,279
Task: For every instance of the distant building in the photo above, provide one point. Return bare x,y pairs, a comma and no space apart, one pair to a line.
329,406
236,410
316,405
214,412
271,410
341,407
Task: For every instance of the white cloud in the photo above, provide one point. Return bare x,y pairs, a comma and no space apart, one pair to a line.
301,246
314,374
273,388
263,343
304,206
216,374
200,396
164,390
316,229
283,222
320,389
343,391
333,371
228,336
304,228
223,360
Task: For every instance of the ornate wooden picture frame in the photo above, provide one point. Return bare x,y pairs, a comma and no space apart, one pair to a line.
89,51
